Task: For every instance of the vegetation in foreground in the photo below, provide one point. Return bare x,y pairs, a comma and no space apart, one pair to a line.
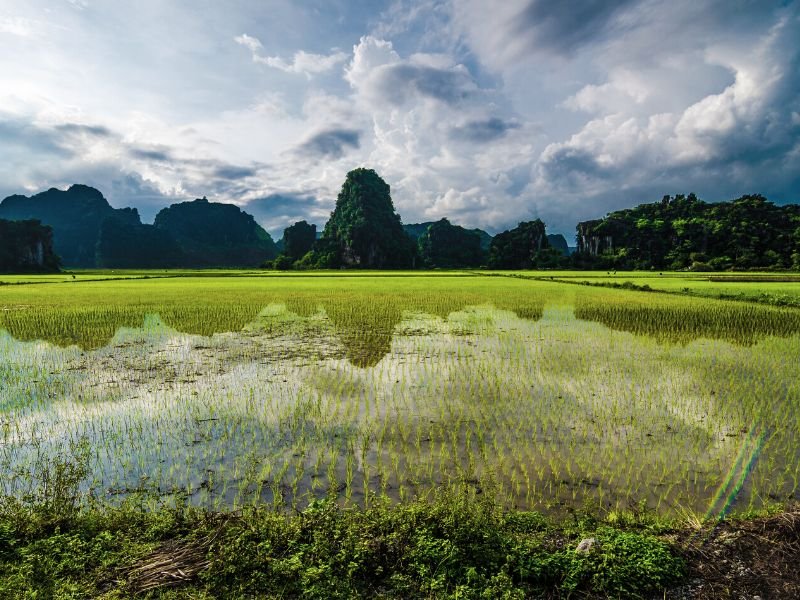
453,545
456,542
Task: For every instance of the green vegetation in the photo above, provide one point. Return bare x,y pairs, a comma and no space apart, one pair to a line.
524,247
88,232
415,230
299,239
364,230
400,384
213,234
456,545
132,245
683,232
26,246
447,246
76,216
401,434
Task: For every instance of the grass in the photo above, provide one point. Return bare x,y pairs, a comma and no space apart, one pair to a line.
392,397
457,545
778,289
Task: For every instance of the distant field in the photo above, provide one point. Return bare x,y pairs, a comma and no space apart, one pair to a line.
231,387
781,289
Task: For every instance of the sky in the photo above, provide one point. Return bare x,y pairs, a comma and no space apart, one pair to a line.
488,113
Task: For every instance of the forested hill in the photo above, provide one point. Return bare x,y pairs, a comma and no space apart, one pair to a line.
88,232
76,216
26,246
415,230
684,232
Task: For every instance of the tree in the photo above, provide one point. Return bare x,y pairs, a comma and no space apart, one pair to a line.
215,234
449,246
26,246
518,248
364,230
298,239
683,232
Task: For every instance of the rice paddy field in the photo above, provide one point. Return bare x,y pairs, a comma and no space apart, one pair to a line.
227,389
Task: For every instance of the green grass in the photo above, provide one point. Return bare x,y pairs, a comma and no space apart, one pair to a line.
779,289
456,545
383,433
238,389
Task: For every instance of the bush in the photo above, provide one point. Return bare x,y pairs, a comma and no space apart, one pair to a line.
455,545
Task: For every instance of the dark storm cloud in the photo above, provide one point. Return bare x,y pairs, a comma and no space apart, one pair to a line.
483,131
330,143
573,167
397,82
278,204
563,27
221,176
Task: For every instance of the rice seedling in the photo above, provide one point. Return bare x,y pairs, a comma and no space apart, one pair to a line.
245,390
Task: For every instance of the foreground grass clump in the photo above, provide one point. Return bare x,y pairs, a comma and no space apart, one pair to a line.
455,546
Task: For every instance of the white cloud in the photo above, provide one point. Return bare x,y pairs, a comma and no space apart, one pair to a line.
719,142
303,62
488,113
439,138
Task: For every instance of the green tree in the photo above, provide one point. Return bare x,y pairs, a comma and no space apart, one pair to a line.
298,239
215,234
518,248
364,230
26,246
677,232
448,246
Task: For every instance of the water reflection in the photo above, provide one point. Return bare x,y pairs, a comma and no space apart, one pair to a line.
365,324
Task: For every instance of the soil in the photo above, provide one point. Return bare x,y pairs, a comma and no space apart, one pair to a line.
738,559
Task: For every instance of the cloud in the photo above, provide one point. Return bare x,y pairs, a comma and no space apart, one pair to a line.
486,130
81,129
250,42
303,62
19,135
431,122
277,211
18,26
234,172
717,146
150,155
378,73
330,143
564,27
484,112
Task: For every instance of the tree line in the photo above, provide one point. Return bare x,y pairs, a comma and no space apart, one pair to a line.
683,232
364,231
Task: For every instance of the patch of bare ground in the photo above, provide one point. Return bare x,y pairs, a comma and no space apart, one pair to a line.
738,559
